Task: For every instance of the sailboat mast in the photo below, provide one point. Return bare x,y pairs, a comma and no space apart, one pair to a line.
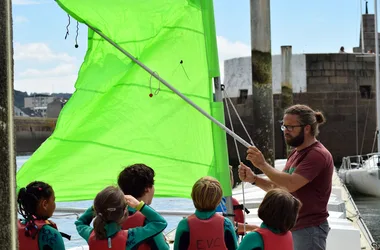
362,26
377,78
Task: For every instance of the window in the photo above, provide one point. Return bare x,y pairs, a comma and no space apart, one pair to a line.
365,91
243,96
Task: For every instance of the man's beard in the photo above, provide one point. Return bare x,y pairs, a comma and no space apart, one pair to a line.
296,141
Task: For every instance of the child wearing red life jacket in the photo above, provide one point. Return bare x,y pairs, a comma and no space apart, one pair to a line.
206,229
278,211
36,204
138,180
110,210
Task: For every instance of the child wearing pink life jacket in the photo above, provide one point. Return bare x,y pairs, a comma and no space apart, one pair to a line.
206,229
278,211
36,204
110,210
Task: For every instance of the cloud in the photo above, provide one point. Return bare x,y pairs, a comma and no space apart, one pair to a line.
27,2
20,19
60,70
47,84
39,52
62,76
40,69
228,50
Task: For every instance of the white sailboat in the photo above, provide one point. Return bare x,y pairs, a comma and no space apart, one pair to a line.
361,173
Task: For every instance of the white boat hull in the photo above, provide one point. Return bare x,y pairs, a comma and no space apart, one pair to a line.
364,179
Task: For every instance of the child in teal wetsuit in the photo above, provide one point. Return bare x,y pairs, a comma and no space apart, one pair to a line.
205,229
278,211
36,205
110,210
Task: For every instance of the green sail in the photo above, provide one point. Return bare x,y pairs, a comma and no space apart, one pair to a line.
111,121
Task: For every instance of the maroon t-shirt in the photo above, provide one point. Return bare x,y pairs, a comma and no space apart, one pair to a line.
314,163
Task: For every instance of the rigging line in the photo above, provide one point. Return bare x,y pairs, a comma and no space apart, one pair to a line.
366,121
374,141
238,116
238,155
67,27
356,112
76,37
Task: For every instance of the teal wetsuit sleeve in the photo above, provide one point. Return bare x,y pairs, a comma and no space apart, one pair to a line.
83,224
251,241
160,242
230,235
49,236
182,229
155,224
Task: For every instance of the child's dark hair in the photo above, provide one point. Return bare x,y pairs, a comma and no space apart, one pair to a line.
109,206
29,197
134,179
279,210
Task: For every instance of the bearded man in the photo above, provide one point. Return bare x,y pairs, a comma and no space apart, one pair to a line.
307,175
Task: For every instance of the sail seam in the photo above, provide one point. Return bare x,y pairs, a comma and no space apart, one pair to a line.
127,150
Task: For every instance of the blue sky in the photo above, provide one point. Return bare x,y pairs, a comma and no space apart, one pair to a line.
46,62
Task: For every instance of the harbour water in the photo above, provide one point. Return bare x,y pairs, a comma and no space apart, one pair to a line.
369,208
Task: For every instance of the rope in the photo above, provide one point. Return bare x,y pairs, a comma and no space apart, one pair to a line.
238,155
238,116
150,86
365,123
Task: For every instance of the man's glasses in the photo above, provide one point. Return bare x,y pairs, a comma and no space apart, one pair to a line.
290,128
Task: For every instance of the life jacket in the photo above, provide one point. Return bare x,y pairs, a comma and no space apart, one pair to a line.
274,241
238,210
117,242
206,234
136,220
28,233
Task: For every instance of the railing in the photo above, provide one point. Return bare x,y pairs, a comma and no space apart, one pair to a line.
76,211
368,161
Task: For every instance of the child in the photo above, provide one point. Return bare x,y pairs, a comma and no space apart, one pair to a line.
205,229
278,211
36,203
138,180
110,209
238,211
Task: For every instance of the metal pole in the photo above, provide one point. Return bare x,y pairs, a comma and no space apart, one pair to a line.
8,208
377,78
155,75
219,98
262,93
286,85
362,26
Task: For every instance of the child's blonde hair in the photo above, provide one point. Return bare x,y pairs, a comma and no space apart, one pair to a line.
206,194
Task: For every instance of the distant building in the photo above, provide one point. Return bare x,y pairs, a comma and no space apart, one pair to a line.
31,113
19,112
38,100
38,103
55,107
